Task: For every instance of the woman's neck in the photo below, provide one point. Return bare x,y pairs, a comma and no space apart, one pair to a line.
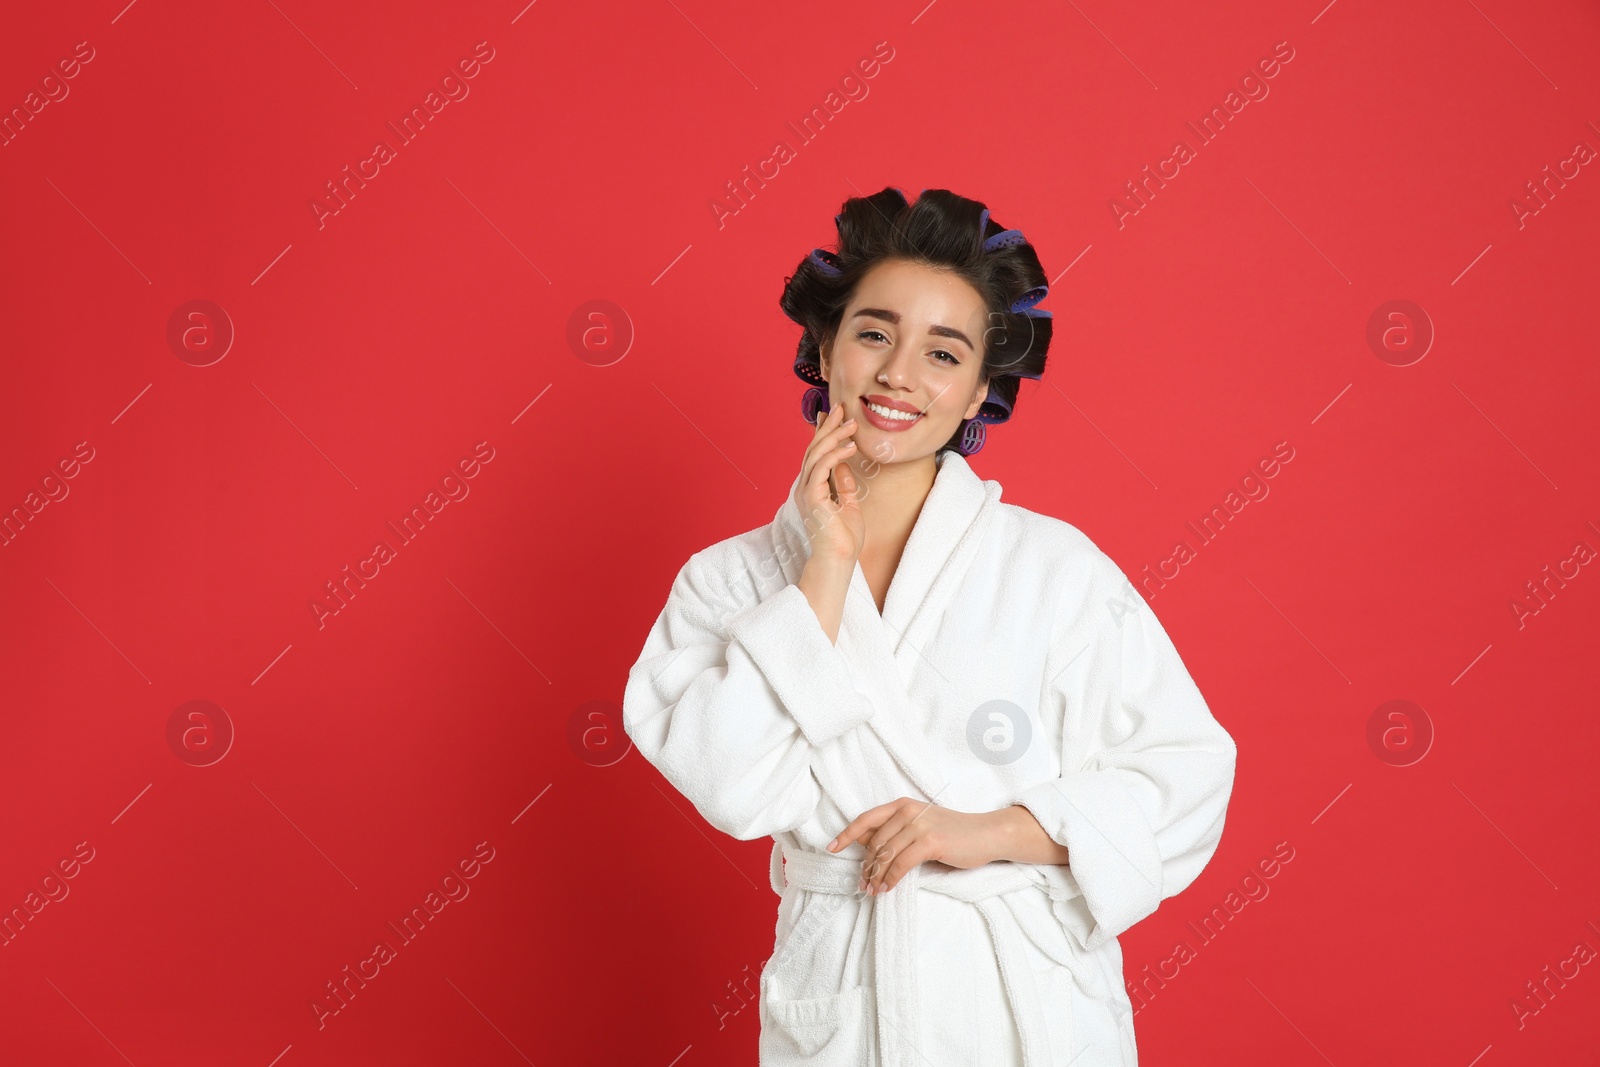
894,495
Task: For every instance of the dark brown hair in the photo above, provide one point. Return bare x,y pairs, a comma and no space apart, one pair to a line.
944,231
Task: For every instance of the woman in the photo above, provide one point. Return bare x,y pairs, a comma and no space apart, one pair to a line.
978,754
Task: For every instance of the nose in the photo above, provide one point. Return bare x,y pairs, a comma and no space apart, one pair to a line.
897,364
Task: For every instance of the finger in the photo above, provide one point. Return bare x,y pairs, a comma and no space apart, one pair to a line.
830,429
840,431
809,457
848,488
861,825
825,419
910,850
823,468
819,426
824,475
880,845
829,421
876,868
877,843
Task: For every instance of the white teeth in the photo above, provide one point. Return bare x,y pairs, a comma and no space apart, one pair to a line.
891,413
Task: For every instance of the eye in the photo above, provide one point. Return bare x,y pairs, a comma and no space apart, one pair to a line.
953,361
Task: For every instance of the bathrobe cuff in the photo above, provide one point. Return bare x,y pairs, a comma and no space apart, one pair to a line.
1111,852
807,671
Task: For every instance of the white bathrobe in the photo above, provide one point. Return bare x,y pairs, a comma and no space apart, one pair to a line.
1013,663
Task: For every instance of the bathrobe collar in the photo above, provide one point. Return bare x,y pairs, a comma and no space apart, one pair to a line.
887,659
886,651
956,510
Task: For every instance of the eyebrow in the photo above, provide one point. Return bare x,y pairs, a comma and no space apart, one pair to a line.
937,330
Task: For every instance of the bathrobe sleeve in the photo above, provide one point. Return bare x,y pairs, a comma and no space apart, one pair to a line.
733,698
1148,769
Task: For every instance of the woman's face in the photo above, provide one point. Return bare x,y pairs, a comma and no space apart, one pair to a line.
911,339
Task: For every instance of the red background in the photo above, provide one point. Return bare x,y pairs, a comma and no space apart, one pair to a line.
433,712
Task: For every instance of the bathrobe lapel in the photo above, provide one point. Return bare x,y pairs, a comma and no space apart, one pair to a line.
886,656
886,651
925,575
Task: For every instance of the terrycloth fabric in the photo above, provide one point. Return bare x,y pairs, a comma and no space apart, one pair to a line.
768,728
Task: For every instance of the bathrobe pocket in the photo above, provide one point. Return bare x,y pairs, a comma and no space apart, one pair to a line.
815,1008
828,1031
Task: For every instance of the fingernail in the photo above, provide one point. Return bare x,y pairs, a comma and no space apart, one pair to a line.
850,421
833,844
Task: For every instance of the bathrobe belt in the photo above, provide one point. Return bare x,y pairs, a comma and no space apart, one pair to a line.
895,940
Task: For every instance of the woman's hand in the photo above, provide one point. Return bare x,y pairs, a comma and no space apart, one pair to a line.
838,530
905,832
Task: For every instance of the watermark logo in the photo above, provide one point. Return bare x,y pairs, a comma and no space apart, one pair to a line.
599,332
199,732
1542,191
1253,888
596,735
999,732
1551,981
340,593
1399,332
1542,589
52,490
739,192
52,90
53,889
1399,733
1138,193
1253,488
341,193
200,333
453,889
1126,602
724,1010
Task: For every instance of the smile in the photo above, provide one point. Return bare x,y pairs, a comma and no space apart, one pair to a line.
885,418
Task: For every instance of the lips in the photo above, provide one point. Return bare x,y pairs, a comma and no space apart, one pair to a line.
889,402
884,422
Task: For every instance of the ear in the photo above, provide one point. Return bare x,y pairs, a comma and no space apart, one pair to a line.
979,395
824,352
